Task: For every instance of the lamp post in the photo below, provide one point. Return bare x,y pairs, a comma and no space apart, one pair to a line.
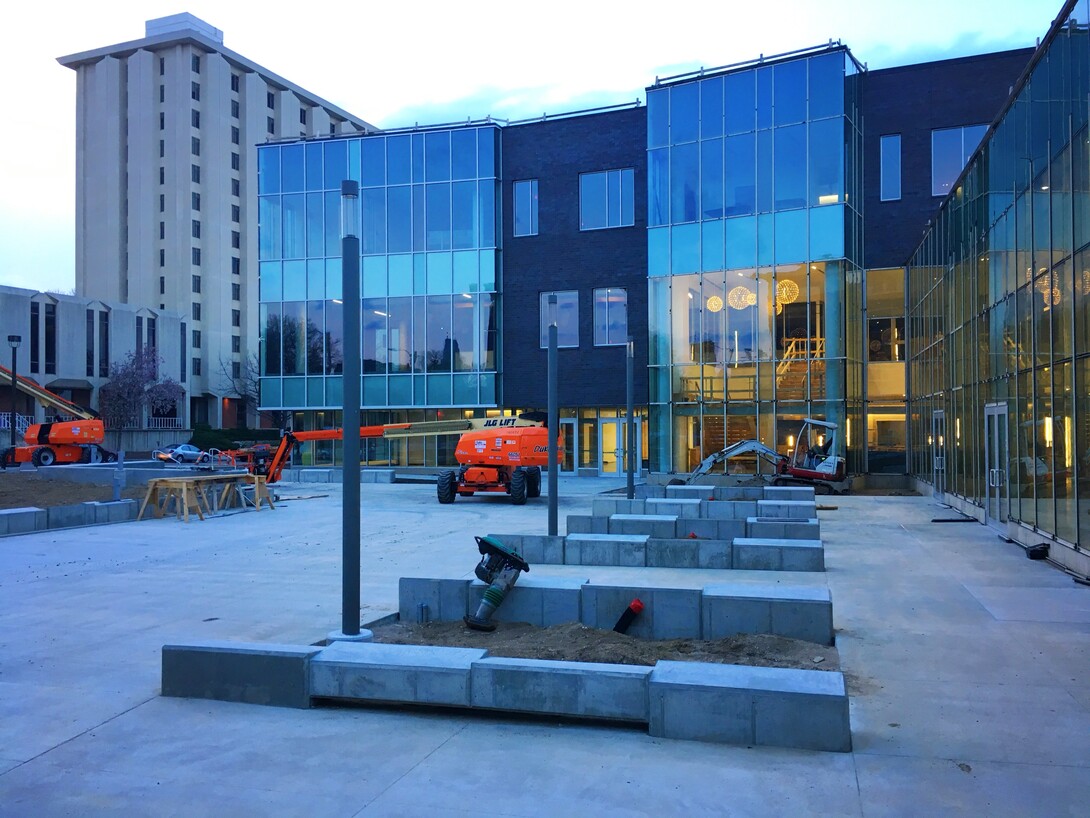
630,359
13,342
554,419
350,519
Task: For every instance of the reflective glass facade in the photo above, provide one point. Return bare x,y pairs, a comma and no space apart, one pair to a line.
754,255
429,269
999,310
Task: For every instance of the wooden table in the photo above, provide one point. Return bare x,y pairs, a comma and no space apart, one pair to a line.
204,494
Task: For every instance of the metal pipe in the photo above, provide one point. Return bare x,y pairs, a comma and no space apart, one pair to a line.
630,416
350,512
554,419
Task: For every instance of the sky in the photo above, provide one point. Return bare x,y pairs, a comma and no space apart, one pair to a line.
426,62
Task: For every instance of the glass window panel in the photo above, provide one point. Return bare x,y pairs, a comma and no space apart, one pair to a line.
315,225
332,223
740,102
439,273
826,233
270,339
294,226
398,160
464,332
891,167
373,208
270,245
333,278
420,273
315,279
464,214
418,157
488,270
399,212
401,274
658,118
827,161
463,154
711,179
291,168
295,280
486,193
946,159
711,108
764,171
419,233
711,245
489,337
567,319
271,281
971,136
684,183
465,390
334,329
270,392
658,252
827,85
437,156
399,344
525,196
293,337
438,218
628,185
373,391
465,272
373,159
765,235
764,97
334,391
741,185
741,242
791,245
658,187
294,392
790,92
486,153
316,340
592,201
610,316
316,392
437,329
268,170
374,277
790,167
336,163
685,248
373,334
684,113
354,160
314,164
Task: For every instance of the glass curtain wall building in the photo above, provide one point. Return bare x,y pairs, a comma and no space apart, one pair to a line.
754,255
999,311
429,279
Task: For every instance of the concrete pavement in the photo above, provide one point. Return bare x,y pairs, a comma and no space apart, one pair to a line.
969,667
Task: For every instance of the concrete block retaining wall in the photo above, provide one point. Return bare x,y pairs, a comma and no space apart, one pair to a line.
28,520
735,704
704,492
712,613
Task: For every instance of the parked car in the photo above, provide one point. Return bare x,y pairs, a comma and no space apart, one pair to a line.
181,453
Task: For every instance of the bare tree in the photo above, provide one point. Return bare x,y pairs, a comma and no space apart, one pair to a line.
135,386
246,386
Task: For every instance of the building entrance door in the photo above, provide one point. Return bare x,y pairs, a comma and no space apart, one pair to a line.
938,454
569,459
612,437
996,464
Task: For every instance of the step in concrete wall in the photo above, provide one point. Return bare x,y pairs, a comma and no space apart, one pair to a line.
711,613
735,704
28,520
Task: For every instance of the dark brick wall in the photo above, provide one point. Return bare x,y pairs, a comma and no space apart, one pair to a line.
912,100
561,257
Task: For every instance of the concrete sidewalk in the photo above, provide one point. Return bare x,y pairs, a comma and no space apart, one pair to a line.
969,668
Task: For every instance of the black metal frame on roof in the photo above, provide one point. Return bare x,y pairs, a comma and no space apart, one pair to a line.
832,45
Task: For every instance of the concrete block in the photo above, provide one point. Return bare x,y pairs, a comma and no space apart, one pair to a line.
68,516
743,493
579,524
607,506
22,520
730,509
371,671
765,554
704,529
655,525
782,528
238,672
584,689
693,492
787,509
674,553
446,598
679,507
553,549
715,554
798,612
539,601
315,475
115,512
668,613
805,493
738,704
606,549
377,476
728,529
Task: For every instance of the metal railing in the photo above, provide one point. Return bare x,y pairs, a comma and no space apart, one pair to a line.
21,422
163,423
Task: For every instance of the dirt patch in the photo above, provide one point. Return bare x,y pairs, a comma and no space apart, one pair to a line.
22,489
574,642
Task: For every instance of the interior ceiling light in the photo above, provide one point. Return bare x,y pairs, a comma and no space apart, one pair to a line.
738,298
787,291
751,298
715,303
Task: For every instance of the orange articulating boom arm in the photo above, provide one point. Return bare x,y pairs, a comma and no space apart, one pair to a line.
45,397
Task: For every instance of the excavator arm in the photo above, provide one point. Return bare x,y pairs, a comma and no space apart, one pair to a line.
735,450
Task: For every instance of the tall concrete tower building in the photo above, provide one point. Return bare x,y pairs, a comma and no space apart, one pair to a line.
166,188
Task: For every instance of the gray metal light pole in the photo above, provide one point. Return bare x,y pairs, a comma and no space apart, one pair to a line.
554,419
629,378
13,341
350,520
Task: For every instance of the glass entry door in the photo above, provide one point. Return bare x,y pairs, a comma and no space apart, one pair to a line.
938,453
612,440
997,494
569,430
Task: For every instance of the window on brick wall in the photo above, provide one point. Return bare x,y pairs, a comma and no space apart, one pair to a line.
162,285
270,99
162,176
195,118
234,187
610,317
235,135
162,258
162,93
236,266
235,161
195,91
606,199
525,196
302,116
195,201
196,284
162,120
236,369
567,318
196,339
195,145
196,366
236,239
162,230
196,310
236,318
235,82
236,292
162,66
270,124
162,148
236,343
236,211
196,64
195,253
195,173
196,229
234,108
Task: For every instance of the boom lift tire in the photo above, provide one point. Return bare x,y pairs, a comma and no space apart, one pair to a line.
445,487
533,481
517,487
43,457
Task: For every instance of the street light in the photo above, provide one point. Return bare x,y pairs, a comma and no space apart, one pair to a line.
13,342
554,418
350,513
